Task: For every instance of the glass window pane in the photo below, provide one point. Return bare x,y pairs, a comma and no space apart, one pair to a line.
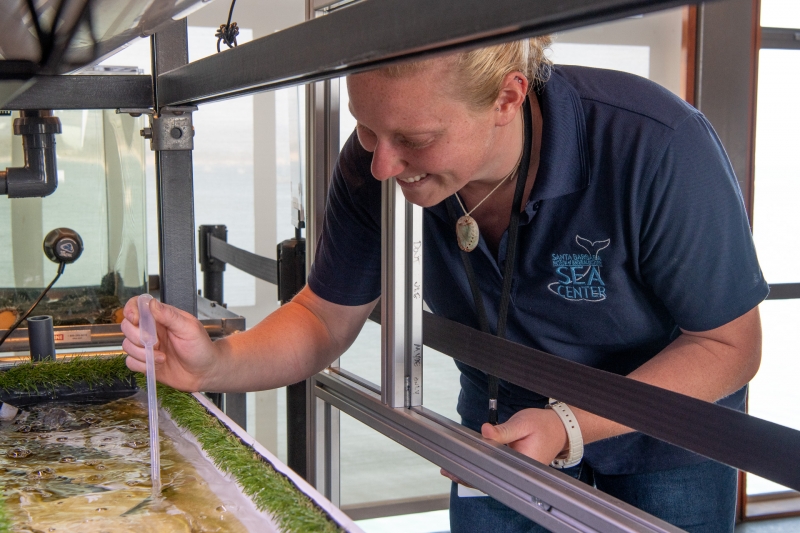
375,469
222,163
627,58
780,13
650,46
774,394
777,168
135,54
441,382
347,123
363,358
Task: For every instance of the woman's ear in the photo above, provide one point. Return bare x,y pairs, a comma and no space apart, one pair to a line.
513,91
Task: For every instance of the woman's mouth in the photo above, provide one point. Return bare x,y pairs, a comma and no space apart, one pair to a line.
413,179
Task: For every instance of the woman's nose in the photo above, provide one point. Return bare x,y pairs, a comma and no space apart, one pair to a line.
387,161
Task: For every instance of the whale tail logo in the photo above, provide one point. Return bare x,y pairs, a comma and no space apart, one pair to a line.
592,247
578,275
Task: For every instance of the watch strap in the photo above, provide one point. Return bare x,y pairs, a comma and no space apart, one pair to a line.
574,435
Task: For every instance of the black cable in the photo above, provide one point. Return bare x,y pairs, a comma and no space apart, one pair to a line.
39,299
227,32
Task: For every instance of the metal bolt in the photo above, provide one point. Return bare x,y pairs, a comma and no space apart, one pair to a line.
542,505
147,133
176,133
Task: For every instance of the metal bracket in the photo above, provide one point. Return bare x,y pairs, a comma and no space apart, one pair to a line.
169,130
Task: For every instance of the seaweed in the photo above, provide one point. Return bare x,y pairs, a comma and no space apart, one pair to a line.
269,490
73,373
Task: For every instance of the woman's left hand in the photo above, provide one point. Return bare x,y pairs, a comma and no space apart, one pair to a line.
537,433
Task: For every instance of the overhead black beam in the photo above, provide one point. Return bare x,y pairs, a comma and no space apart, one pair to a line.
377,32
85,92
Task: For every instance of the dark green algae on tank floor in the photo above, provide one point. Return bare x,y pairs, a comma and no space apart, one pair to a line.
38,474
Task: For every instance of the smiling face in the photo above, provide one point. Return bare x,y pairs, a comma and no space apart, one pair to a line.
433,143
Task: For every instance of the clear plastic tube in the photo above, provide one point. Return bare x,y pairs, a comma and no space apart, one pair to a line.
148,337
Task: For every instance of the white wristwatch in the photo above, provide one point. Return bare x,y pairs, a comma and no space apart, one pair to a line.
574,435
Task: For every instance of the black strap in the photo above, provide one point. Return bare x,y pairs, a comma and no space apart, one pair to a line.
731,437
255,265
511,255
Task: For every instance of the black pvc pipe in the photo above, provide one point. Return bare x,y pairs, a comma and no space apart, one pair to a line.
40,338
38,177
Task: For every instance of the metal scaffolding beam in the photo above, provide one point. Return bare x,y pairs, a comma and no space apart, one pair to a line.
373,33
550,498
86,92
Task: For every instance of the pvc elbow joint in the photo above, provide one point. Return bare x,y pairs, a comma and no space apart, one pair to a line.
39,175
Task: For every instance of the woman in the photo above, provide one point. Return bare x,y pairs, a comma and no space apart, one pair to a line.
630,252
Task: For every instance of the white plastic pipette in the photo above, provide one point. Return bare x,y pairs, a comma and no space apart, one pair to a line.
148,337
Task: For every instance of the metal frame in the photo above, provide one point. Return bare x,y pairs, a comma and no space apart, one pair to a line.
550,498
86,92
322,428
354,39
787,504
176,229
401,300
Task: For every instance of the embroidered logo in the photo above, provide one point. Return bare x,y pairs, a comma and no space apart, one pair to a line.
578,275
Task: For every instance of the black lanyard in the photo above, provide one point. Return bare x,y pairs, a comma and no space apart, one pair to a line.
511,253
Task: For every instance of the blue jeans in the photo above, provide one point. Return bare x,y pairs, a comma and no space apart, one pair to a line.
699,498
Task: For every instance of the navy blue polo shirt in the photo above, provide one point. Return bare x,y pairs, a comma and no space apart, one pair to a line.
635,227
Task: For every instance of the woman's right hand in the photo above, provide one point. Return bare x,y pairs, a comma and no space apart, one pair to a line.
184,355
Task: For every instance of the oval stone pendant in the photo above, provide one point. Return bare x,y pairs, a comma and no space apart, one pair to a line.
467,233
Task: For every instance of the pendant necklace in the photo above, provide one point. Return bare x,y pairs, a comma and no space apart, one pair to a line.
467,232
493,383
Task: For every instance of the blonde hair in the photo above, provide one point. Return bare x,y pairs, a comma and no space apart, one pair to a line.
480,72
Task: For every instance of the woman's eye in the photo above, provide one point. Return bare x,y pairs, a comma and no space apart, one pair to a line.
365,137
416,144
362,130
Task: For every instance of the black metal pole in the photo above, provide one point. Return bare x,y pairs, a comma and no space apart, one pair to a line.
211,267
296,428
292,278
236,407
175,191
